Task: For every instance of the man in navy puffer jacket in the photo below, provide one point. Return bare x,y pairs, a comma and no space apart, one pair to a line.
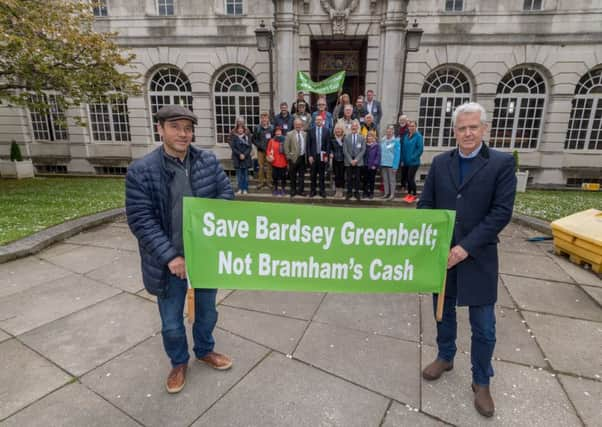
155,187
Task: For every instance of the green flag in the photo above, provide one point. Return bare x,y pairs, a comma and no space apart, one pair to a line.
291,247
332,84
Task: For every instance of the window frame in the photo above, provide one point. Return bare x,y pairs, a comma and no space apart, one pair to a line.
430,95
163,5
110,104
529,5
454,4
521,99
51,120
234,4
250,119
170,96
100,7
584,93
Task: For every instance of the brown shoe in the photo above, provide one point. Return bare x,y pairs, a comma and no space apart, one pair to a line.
218,361
176,378
435,369
483,401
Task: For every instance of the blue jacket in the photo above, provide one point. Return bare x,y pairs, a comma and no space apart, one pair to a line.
285,123
147,206
483,203
390,153
411,149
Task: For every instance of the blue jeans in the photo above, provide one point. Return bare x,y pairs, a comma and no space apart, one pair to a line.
171,309
482,324
242,178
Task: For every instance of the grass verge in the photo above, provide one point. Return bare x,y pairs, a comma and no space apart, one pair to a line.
551,205
31,205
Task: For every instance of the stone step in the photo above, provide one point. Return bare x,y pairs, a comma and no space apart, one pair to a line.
253,179
265,195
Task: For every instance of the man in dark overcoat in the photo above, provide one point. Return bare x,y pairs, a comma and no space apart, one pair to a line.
319,155
479,184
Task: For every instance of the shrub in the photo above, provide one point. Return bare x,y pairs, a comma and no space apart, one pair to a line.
15,152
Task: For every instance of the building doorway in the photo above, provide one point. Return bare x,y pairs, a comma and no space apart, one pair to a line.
329,56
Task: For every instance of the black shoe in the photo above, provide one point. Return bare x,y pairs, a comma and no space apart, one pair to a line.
348,197
312,194
293,194
323,195
357,196
302,194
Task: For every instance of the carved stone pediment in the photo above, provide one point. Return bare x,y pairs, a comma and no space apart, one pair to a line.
338,11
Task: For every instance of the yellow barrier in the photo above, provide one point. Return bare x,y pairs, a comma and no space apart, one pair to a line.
580,237
590,186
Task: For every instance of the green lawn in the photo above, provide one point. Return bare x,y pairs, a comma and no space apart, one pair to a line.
551,205
30,205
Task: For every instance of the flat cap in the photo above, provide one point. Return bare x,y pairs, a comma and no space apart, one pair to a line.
175,112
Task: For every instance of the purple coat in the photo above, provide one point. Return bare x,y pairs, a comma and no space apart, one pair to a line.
372,156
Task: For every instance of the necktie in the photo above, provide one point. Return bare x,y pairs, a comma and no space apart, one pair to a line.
319,140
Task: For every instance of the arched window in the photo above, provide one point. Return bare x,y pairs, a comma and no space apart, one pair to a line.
236,94
585,124
443,90
168,86
518,110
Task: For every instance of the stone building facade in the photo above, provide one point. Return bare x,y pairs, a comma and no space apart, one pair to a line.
536,65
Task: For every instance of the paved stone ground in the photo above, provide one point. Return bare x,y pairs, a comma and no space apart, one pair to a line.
80,346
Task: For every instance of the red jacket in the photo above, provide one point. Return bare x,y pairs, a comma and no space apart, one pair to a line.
274,151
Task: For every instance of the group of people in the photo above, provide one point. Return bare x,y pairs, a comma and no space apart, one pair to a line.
345,142
475,181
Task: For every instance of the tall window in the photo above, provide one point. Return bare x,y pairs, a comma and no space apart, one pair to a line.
168,86
518,110
532,4
585,123
443,90
109,120
236,94
99,7
454,5
234,7
49,125
165,7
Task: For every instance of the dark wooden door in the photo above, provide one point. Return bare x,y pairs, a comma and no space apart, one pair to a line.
333,55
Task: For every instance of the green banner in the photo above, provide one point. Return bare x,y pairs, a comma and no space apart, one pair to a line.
292,247
332,84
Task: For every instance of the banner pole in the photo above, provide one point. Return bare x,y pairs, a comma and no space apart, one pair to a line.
190,305
441,299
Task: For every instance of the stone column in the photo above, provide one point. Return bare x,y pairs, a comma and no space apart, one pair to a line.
284,53
394,27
